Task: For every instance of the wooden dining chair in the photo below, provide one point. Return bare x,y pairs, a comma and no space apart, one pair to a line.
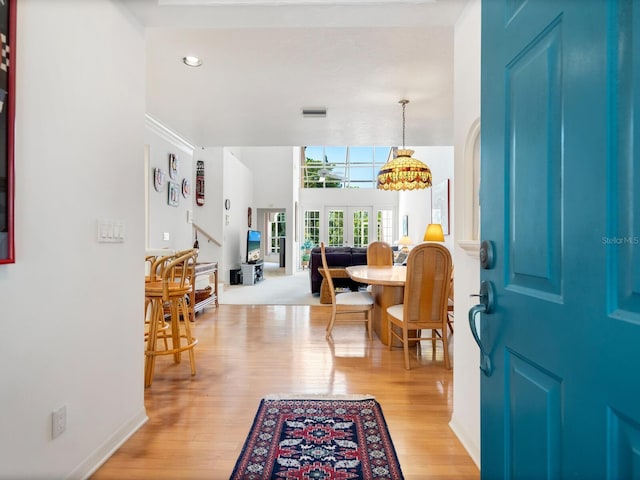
346,303
424,307
379,253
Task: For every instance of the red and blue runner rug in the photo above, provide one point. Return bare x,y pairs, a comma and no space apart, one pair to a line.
318,438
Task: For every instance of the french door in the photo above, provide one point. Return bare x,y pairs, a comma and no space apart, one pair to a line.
349,226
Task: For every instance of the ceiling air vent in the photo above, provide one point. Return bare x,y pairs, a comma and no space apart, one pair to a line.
314,112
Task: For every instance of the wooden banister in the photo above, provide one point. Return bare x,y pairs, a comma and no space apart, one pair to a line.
207,235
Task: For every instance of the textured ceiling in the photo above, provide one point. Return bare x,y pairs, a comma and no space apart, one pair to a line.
263,64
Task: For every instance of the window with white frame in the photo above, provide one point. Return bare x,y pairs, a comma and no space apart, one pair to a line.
278,231
312,226
342,167
384,226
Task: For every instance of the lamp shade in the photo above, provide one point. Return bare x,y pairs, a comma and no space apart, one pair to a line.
404,173
434,233
405,241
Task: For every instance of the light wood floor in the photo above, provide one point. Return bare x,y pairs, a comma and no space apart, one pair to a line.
197,425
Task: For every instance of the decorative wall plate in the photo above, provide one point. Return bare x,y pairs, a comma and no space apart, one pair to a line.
159,179
186,188
174,166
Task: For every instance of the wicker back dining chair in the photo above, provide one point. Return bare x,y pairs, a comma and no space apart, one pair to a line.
347,304
426,293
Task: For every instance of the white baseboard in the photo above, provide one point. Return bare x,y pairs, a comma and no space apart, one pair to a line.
470,446
108,448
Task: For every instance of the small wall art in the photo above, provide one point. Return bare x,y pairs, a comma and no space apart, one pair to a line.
174,166
159,179
440,205
174,194
186,188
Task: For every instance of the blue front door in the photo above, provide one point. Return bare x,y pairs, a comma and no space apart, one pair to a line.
560,87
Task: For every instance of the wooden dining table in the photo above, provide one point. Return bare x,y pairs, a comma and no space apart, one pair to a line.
387,288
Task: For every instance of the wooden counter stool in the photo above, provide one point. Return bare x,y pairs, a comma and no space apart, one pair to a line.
173,288
154,266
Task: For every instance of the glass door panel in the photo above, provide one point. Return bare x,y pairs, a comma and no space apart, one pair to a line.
349,226
336,236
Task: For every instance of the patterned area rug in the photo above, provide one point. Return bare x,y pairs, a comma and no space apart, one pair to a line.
318,438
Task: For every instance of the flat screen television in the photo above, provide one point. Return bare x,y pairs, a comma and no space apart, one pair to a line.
254,252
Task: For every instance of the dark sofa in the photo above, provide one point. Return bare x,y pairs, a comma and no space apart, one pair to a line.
336,257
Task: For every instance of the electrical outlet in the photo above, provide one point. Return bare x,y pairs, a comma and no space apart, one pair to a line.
165,236
58,421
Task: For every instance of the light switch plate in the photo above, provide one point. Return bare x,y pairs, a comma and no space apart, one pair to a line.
110,231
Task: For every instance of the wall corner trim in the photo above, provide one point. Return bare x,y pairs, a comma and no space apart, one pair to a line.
169,135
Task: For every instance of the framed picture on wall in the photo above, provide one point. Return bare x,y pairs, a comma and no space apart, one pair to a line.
7,115
440,205
174,194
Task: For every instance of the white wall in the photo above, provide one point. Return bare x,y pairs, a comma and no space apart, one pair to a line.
465,420
71,308
417,204
256,177
210,216
165,218
238,187
274,169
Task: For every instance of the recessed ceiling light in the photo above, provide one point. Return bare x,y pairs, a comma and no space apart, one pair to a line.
192,61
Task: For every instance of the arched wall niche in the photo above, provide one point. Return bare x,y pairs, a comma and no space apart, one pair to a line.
469,241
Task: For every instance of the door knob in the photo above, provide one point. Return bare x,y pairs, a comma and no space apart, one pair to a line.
486,299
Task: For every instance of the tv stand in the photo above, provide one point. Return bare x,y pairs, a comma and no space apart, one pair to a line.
252,273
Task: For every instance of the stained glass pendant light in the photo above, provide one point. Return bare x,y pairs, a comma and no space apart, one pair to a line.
404,172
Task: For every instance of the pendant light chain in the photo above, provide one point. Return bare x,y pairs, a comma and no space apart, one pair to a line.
404,105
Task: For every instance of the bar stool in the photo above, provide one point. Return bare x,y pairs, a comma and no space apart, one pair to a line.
154,264
172,288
